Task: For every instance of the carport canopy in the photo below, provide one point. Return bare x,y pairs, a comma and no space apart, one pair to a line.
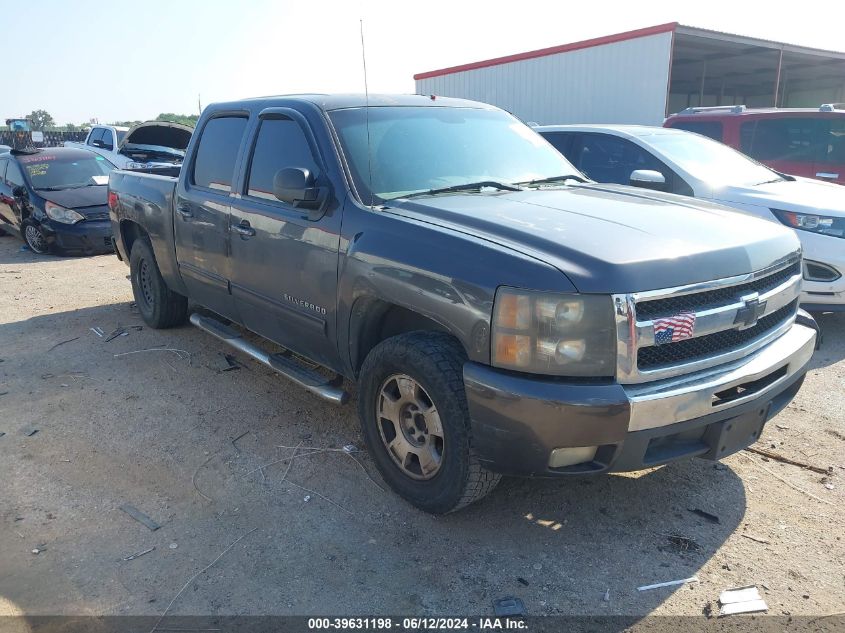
710,68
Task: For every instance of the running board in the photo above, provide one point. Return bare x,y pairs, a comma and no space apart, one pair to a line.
285,365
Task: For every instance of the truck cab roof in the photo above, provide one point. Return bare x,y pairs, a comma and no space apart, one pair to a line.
339,101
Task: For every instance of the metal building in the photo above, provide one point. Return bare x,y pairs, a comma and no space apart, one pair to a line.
642,76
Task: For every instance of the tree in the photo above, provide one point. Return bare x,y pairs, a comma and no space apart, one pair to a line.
184,119
41,120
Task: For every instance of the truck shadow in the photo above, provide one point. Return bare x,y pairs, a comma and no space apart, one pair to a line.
832,350
155,419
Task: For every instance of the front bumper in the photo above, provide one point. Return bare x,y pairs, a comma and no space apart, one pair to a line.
88,237
518,420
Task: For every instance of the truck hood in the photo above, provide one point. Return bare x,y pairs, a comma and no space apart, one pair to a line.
800,194
159,133
612,238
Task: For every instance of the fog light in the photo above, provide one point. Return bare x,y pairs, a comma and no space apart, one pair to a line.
561,457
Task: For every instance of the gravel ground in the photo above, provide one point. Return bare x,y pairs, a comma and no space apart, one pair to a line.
318,536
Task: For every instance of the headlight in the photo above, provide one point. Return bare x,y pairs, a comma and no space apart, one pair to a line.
60,214
554,334
823,224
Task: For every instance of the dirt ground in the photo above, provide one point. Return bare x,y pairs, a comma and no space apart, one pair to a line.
155,430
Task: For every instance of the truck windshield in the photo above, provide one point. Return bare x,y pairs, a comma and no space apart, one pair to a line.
711,161
416,149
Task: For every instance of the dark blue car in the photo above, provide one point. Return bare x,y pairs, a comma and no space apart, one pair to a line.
55,199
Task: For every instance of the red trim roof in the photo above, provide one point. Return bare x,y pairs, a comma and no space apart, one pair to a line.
554,50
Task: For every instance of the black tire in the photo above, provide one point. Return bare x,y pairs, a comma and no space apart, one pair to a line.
34,237
158,305
433,360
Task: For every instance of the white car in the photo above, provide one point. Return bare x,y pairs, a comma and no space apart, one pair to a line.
148,145
690,164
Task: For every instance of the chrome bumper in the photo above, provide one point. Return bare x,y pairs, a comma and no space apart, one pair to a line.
674,400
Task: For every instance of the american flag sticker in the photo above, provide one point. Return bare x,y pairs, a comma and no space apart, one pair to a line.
675,328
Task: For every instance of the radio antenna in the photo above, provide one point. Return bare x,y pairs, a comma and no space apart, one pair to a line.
367,115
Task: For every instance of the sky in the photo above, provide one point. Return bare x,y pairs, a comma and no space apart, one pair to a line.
131,60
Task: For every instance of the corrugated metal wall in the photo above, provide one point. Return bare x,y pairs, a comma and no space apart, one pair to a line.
622,82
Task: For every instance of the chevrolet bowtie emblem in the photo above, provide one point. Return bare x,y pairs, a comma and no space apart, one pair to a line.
749,313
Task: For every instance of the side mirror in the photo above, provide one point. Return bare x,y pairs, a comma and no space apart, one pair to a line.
19,192
648,178
298,187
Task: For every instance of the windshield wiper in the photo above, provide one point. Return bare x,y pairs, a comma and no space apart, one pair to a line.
470,186
543,181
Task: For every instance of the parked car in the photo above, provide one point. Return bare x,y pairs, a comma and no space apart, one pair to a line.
498,313
801,141
147,145
56,199
693,165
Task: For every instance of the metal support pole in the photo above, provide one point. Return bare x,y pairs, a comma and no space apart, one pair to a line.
777,78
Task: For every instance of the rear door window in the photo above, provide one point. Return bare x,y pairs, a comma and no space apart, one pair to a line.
14,175
713,129
217,152
281,143
793,139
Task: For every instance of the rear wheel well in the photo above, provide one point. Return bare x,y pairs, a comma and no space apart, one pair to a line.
130,231
380,321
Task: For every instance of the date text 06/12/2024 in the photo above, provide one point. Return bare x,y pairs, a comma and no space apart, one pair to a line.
416,624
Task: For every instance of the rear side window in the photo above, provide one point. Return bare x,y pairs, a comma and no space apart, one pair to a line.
214,165
108,139
281,143
833,145
713,129
96,135
3,170
562,142
789,139
14,175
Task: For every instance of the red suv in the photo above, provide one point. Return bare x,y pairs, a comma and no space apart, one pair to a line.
797,141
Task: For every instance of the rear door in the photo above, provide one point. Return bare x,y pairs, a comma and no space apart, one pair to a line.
284,261
12,180
6,216
201,212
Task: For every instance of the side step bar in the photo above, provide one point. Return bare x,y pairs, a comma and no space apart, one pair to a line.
288,367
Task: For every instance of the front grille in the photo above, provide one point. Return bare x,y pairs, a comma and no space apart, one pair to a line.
649,310
694,349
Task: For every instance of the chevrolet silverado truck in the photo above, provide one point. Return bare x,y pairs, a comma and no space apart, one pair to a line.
152,144
499,312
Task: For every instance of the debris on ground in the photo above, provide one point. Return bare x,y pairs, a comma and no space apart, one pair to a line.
741,600
60,343
607,595
173,545
3,393
786,481
522,581
682,543
307,498
235,441
350,448
138,554
36,551
508,607
705,515
669,583
230,363
755,539
788,460
139,516
29,431
98,331
120,331
181,353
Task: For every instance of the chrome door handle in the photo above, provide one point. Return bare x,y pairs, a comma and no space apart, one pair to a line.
243,229
825,174
185,211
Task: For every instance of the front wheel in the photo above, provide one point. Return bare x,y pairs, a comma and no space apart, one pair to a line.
35,238
415,421
158,305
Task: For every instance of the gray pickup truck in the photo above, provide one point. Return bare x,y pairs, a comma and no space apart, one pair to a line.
500,313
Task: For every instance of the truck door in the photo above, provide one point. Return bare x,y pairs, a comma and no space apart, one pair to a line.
201,213
284,263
